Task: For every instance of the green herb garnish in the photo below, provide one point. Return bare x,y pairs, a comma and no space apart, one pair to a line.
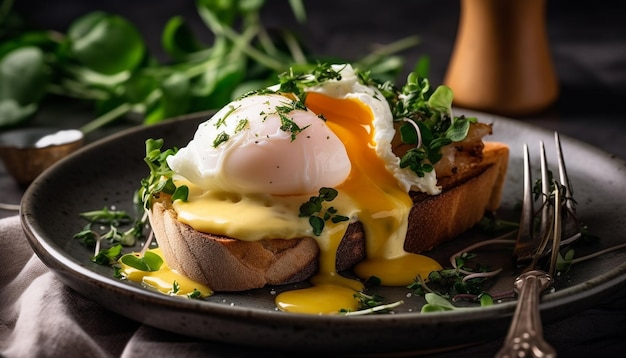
111,220
222,137
317,214
160,178
286,123
108,256
194,294
148,262
429,122
175,287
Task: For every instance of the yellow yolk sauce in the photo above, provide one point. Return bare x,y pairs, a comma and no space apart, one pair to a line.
370,194
165,279
383,204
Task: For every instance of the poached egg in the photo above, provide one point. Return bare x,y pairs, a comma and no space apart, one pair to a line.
256,161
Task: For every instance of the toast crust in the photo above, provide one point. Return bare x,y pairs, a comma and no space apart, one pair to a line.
227,264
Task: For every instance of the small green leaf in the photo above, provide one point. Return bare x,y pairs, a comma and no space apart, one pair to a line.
328,194
458,130
311,207
339,218
436,303
24,76
149,262
87,236
441,99
178,40
428,308
106,43
408,134
181,193
108,256
194,294
317,224
485,299
175,287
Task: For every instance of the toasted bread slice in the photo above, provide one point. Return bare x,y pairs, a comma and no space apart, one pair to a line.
227,264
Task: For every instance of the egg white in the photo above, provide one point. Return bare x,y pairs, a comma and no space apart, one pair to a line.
256,155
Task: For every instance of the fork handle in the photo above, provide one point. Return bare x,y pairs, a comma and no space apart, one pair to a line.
525,337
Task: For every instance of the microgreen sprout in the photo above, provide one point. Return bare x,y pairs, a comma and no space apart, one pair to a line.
379,308
148,261
108,256
160,178
194,294
318,214
175,287
105,224
429,123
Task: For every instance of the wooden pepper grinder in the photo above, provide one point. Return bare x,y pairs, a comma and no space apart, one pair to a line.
501,61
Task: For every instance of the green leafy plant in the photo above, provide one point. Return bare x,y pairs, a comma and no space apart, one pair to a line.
428,121
104,60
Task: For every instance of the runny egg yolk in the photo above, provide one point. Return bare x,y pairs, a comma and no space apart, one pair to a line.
382,206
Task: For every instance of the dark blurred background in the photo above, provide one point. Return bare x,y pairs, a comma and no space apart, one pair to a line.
348,28
588,39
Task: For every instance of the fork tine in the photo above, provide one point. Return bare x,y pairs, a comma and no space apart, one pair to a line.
548,218
545,191
563,178
571,231
524,245
556,237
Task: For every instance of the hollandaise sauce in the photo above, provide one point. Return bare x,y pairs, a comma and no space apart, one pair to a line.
165,279
330,292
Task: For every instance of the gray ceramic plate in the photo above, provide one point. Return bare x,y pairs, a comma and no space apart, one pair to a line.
106,173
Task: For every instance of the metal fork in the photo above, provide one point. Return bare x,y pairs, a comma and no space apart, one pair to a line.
525,336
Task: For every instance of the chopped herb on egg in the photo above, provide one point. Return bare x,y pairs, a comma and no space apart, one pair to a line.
222,121
222,137
288,124
241,125
317,214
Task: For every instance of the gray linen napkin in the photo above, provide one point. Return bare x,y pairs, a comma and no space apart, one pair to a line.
41,317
